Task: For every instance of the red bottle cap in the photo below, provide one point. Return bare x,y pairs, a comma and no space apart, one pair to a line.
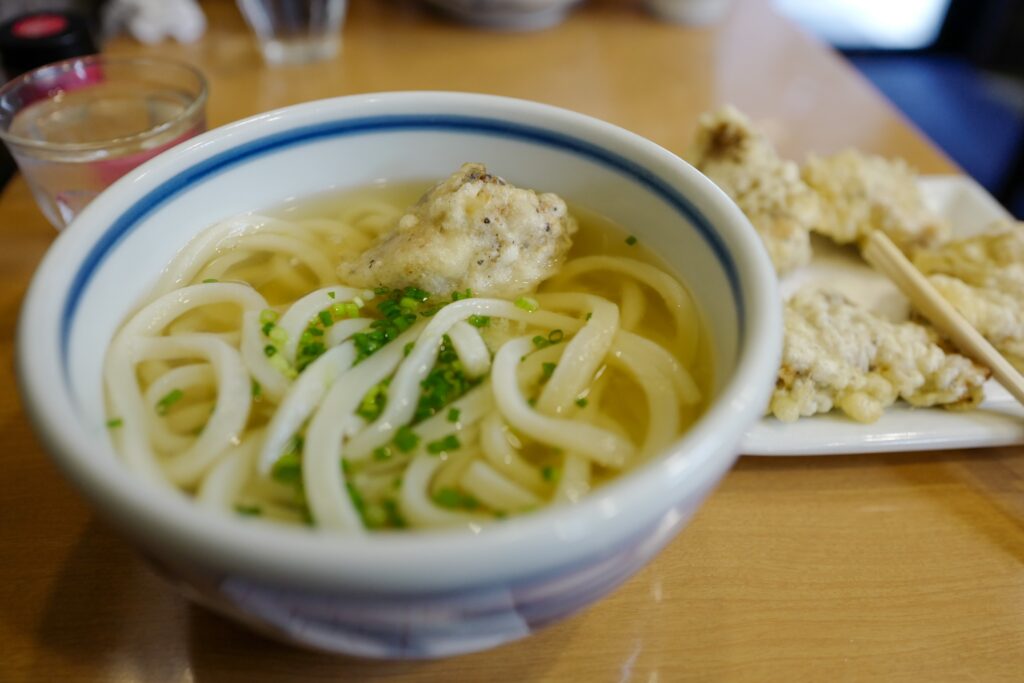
32,40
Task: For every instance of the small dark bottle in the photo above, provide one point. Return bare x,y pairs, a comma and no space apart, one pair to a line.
31,40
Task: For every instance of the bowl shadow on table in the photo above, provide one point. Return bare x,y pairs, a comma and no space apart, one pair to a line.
107,608
107,612
992,478
222,652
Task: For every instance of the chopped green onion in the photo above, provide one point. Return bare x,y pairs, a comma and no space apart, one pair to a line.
248,510
398,313
373,402
278,335
268,316
209,280
394,515
631,240
381,453
279,363
555,336
169,399
590,315
550,473
256,389
454,499
416,293
381,291
288,468
269,350
448,443
357,500
446,382
330,295
479,320
406,439
267,329
375,516
114,423
527,304
540,342
309,352
408,348
581,402
549,369
326,319
453,414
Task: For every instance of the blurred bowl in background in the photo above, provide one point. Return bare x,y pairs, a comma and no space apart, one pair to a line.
508,15
692,12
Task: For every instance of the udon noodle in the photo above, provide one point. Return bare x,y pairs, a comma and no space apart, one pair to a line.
257,382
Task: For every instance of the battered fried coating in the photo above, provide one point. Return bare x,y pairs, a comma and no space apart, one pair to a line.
839,355
741,161
860,193
472,231
983,277
993,259
998,315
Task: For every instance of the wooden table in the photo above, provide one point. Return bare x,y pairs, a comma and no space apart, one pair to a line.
903,567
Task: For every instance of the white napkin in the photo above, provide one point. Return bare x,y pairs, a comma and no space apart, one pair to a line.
151,21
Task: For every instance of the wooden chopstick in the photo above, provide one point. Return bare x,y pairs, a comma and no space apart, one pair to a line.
886,258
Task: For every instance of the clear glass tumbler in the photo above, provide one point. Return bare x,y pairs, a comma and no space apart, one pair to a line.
295,31
74,127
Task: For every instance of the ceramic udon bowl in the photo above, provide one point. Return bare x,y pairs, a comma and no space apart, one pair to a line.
407,594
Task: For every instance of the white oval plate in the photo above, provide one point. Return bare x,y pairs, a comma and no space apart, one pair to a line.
999,421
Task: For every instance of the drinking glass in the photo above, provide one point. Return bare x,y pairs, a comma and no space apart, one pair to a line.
295,31
76,126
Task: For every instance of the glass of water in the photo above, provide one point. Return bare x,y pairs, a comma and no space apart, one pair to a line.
295,31
74,127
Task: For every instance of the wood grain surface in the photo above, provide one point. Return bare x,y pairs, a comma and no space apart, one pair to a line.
894,567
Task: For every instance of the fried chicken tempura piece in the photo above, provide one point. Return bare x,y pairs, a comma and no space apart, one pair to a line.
996,314
474,231
983,277
839,355
861,192
993,259
741,161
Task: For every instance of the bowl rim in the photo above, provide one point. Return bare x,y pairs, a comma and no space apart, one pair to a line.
531,545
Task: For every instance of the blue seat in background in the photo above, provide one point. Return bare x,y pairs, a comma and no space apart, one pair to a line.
977,118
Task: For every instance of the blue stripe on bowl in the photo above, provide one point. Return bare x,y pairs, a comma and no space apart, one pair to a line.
127,221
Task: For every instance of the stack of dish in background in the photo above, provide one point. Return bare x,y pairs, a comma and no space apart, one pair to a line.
531,15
